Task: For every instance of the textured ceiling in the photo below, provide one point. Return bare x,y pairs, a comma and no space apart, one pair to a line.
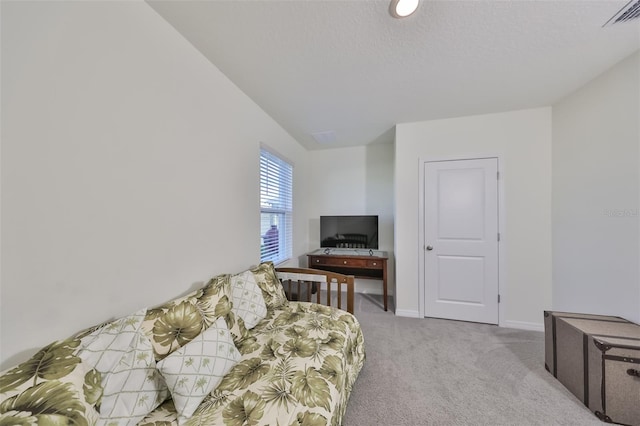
348,67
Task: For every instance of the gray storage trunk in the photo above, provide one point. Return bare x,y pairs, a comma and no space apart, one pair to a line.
597,358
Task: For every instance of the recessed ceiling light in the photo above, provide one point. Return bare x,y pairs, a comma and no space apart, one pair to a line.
403,8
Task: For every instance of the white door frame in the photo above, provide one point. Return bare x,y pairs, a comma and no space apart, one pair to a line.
502,245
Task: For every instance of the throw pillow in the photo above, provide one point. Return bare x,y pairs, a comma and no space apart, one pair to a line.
52,387
247,300
176,323
272,290
103,348
197,368
134,388
124,358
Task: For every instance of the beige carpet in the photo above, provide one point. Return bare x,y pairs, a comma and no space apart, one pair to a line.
439,372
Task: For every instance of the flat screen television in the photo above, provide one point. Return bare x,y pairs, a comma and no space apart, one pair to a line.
349,232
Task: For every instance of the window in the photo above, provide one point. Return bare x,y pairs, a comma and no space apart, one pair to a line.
276,207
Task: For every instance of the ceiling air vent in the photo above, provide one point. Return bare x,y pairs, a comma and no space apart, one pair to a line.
326,137
630,11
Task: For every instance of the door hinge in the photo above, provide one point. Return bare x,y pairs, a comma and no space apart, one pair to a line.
498,236
498,298
498,175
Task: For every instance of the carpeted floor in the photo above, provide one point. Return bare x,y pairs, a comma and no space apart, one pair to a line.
439,372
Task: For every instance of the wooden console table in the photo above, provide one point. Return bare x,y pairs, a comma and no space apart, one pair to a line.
356,262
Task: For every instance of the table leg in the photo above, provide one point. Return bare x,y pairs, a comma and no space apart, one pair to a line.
384,283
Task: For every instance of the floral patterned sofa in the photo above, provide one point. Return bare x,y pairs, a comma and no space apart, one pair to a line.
235,352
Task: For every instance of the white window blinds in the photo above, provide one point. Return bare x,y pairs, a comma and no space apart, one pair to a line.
276,207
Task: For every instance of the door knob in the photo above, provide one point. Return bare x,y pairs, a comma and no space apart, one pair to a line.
429,248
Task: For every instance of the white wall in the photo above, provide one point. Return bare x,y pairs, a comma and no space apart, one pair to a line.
596,190
522,139
354,181
129,168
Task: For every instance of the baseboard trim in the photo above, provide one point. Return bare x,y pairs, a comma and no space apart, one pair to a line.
407,313
523,325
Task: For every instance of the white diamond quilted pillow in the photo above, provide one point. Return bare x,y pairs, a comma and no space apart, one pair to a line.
248,301
197,368
123,355
134,388
103,348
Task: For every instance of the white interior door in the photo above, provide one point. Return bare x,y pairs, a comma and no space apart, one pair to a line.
461,239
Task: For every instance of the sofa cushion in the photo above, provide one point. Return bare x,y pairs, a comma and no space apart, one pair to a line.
302,371
243,339
247,299
272,290
176,323
52,387
195,369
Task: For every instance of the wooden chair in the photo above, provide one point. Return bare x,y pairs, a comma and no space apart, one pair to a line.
297,281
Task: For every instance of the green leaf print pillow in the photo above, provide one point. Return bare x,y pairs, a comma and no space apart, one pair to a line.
53,387
176,323
272,290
